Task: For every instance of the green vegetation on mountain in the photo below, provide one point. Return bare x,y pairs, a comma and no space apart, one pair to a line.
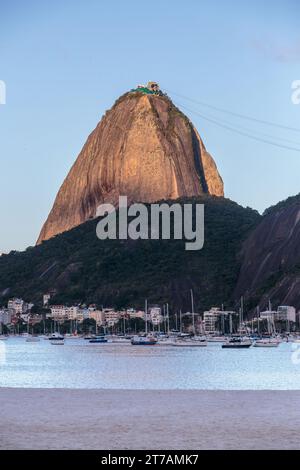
282,204
80,268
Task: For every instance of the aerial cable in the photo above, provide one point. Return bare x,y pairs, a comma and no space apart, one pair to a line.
247,129
246,134
232,113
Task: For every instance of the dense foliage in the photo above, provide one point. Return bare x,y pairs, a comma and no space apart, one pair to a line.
121,273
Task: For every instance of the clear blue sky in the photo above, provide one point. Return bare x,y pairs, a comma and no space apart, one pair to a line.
65,62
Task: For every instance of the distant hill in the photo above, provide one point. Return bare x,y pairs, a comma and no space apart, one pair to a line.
271,258
81,268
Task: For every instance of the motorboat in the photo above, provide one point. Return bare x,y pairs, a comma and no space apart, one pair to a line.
190,342
32,339
215,339
98,340
237,342
143,341
56,336
267,343
57,342
57,339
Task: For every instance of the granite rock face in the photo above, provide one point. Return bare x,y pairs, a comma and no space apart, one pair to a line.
270,258
143,148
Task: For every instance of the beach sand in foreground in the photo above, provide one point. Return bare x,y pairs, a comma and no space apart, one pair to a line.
148,419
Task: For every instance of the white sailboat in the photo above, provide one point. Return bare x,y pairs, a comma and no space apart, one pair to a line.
271,341
30,337
194,341
239,341
144,340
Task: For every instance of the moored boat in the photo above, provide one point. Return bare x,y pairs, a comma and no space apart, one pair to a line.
215,339
237,343
57,339
143,341
190,342
98,340
267,343
57,342
32,339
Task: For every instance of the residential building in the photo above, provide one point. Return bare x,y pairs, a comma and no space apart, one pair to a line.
98,316
286,313
59,312
132,313
72,312
212,320
155,315
268,315
111,317
5,316
17,306
46,298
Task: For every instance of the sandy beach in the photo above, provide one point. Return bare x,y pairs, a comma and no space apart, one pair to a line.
145,419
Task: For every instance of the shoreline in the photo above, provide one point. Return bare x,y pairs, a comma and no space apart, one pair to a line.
107,419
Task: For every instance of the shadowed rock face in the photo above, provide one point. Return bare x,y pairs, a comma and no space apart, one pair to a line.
271,258
143,148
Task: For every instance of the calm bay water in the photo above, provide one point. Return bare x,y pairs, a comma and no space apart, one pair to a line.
79,364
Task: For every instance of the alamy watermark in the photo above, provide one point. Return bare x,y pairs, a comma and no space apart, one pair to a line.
152,221
295,97
2,92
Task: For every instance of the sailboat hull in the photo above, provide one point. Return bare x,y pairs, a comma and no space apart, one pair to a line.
236,346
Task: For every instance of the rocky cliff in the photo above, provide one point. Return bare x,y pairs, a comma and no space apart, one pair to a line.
271,258
143,147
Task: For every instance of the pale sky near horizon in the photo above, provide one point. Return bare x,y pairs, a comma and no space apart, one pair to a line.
65,63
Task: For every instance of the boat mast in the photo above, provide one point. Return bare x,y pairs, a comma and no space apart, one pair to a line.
146,324
168,320
242,315
180,321
193,313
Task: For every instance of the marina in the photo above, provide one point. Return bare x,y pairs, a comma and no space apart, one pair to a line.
117,364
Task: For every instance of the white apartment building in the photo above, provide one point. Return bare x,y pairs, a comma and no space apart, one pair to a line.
283,313
111,317
211,319
72,313
63,313
18,306
59,312
268,315
286,313
155,315
5,316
